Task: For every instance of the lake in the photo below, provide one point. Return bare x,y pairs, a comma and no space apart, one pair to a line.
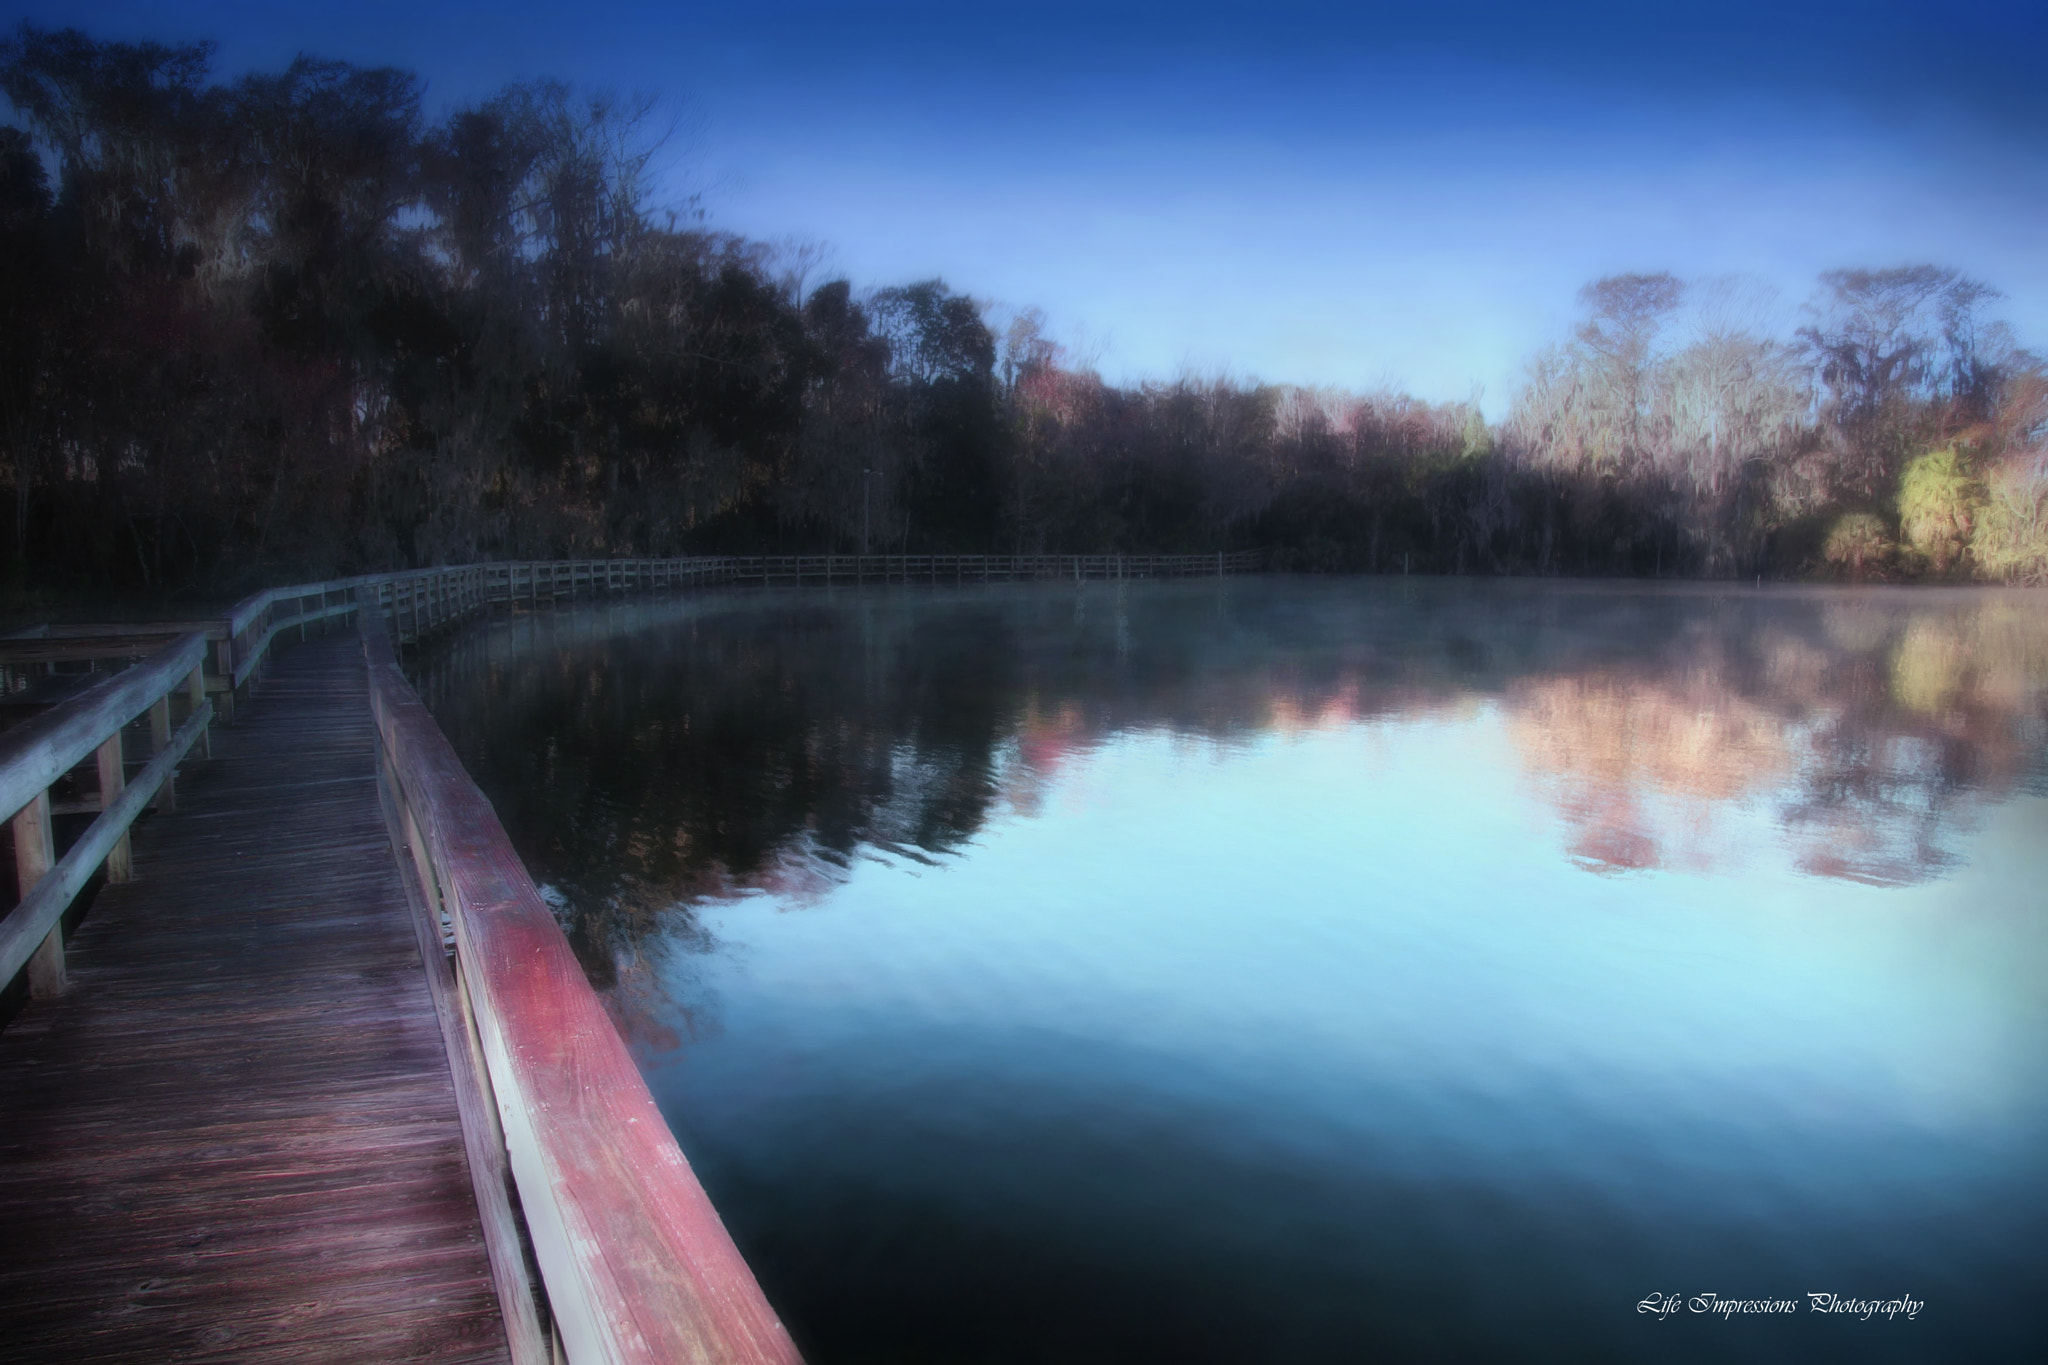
1319,970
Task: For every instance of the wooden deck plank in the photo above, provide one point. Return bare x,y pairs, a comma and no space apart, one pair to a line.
235,1138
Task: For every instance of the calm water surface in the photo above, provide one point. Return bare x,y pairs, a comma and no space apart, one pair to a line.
1318,971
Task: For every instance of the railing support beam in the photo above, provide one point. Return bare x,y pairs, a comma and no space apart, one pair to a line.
160,740
195,691
113,781
35,852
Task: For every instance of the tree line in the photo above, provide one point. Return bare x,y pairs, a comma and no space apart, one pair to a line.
288,325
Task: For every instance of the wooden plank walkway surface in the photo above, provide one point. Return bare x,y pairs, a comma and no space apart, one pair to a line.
235,1137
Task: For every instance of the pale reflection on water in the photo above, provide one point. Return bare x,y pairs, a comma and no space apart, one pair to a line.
1337,970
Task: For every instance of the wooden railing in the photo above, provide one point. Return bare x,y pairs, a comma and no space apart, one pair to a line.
635,1265
421,601
36,754
232,651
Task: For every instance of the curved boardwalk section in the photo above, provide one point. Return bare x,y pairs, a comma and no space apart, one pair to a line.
235,1136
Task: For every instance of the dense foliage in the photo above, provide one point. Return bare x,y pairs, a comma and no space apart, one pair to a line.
289,325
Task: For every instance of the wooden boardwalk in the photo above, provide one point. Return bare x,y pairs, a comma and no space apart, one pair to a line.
235,1136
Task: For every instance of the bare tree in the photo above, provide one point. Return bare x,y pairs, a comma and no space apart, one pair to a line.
1730,402
1627,313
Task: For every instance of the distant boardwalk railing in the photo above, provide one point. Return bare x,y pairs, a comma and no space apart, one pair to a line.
418,602
634,1264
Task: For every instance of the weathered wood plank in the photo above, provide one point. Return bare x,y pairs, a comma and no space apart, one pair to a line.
637,1264
235,1137
482,1136
259,649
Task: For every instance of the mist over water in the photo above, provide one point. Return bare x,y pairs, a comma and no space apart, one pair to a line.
1317,970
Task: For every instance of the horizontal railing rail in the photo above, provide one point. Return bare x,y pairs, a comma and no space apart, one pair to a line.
633,1262
419,601
635,1265
41,751
222,658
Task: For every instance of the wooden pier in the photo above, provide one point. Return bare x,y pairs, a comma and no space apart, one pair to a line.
234,1135
318,1077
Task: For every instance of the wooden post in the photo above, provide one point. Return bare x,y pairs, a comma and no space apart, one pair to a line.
159,740
35,852
113,781
224,664
195,689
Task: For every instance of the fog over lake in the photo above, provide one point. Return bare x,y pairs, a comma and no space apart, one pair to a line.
1317,969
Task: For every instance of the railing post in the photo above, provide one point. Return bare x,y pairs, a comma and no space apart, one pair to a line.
224,661
35,852
114,781
159,740
195,689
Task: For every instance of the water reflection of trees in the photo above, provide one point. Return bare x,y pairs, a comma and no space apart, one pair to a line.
1870,729
649,756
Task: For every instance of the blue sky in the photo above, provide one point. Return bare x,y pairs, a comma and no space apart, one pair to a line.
1377,194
